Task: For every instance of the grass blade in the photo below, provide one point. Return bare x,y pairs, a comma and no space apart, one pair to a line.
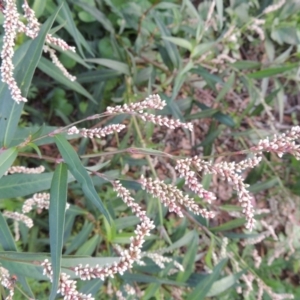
57,208
79,172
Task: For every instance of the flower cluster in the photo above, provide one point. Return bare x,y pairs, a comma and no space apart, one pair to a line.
226,171
56,62
11,26
18,217
96,132
274,7
280,144
183,166
151,102
25,170
172,197
128,256
40,200
160,260
129,290
164,121
8,282
66,286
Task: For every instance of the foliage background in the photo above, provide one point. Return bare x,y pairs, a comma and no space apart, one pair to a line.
237,80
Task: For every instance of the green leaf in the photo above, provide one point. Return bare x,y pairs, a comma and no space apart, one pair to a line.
271,71
179,42
130,277
208,256
285,35
112,64
21,185
80,238
207,113
189,259
7,157
6,240
224,119
229,225
28,270
53,71
220,9
98,15
170,49
202,289
38,7
246,65
92,287
226,88
211,79
65,17
202,49
27,57
89,246
122,223
185,240
57,209
79,172
97,76
224,284
262,186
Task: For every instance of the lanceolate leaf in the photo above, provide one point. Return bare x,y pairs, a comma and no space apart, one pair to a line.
6,240
24,69
20,185
6,159
77,169
53,71
205,285
57,209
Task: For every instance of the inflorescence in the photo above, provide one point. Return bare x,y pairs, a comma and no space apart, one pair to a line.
12,25
66,286
128,256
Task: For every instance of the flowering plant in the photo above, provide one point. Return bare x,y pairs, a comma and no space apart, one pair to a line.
187,197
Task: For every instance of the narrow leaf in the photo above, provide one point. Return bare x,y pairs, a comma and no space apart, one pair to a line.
57,208
171,49
220,9
65,17
226,88
223,284
179,42
53,71
98,15
6,240
7,158
271,71
21,185
80,238
202,289
112,64
77,169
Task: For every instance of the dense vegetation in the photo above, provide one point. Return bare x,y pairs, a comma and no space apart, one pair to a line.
213,209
